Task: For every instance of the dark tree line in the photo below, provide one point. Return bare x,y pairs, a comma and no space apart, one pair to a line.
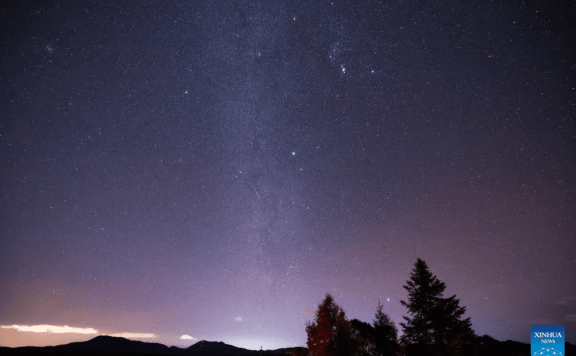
434,325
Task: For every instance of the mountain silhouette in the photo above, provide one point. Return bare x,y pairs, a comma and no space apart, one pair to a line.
214,348
115,346
111,346
211,348
100,345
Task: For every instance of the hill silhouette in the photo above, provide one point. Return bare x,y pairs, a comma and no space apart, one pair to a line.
214,348
100,345
111,346
115,346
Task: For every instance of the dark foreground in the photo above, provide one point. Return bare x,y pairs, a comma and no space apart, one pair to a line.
112,346
115,346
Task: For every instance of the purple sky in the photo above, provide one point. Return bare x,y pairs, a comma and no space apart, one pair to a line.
213,169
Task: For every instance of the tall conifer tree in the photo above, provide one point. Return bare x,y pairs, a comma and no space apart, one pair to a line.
385,333
330,334
433,320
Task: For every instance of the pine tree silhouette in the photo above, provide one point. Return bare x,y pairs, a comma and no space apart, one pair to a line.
434,323
330,334
385,334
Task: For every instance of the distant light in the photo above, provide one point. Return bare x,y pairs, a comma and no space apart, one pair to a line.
293,153
388,299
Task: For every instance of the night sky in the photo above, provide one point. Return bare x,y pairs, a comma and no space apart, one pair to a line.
211,169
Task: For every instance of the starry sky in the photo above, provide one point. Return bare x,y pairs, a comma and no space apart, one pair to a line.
172,171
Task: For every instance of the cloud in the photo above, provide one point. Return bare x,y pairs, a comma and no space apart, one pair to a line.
239,318
55,329
307,312
186,337
135,335
52,329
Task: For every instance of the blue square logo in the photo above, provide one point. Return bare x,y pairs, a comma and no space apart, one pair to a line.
547,340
